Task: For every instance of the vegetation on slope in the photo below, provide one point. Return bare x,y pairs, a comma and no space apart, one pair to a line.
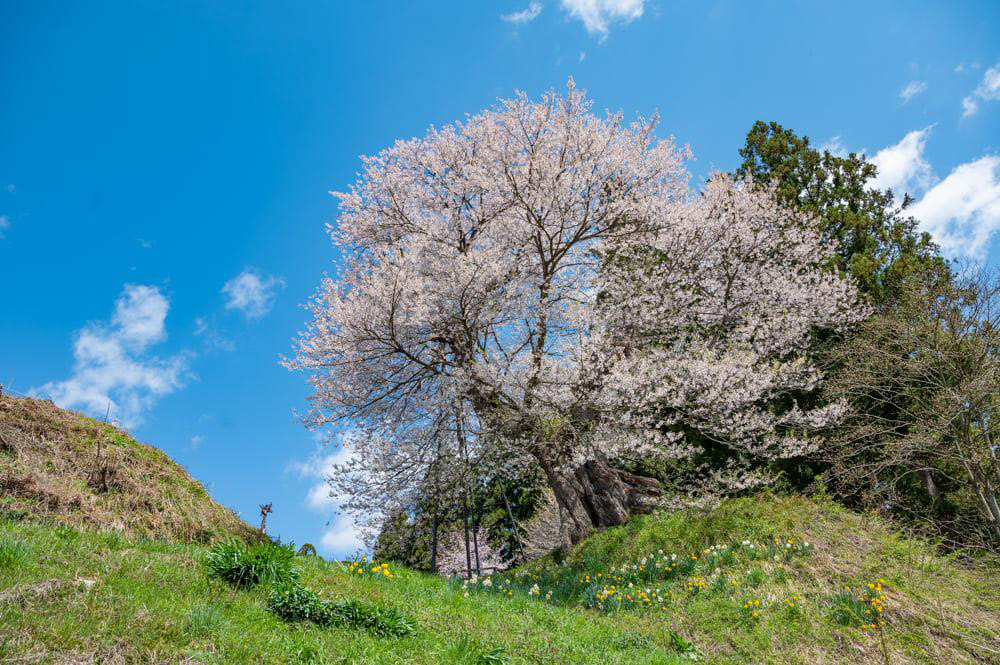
99,596
65,468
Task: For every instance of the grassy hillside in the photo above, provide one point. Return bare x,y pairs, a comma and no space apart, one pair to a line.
64,468
86,596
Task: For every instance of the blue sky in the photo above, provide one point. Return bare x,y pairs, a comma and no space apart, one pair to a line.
164,170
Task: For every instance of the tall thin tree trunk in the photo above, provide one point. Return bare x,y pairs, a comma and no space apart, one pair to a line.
460,438
434,537
930,486
468,551
513,524
475,539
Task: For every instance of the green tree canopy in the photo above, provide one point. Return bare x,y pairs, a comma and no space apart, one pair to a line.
878,244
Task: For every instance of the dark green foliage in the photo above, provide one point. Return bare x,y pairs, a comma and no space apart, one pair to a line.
307,550
382,621
293,603
407,536
876,243
244,565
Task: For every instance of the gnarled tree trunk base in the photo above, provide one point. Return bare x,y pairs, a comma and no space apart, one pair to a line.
595,495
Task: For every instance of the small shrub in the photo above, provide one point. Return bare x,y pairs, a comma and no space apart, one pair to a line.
13,553
756,577
863,606
847,609
245,566
293,603
203,620
631,640
687,650
301,651
793,605
382,621
751,609
467,651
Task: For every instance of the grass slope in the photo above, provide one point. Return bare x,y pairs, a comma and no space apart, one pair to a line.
68,595
64,468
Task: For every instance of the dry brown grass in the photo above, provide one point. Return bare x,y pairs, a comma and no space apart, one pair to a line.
64,468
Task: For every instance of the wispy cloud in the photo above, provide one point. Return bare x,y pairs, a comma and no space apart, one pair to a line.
10,187
526,15
598,15
911,90
209,332
111,368
988,90
196,441
834,146
341,537
4,225
252,292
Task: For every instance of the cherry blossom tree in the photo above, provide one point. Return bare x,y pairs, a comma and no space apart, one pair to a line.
542,279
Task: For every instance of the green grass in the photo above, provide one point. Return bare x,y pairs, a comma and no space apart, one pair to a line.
156,602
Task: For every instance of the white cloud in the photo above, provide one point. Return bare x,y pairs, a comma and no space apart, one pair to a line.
987,90
4,225
834,146
597,15
111,368
902,167
526,15
962,211
583,56
145,244
252,293
196,441
214,339
341,537
912,89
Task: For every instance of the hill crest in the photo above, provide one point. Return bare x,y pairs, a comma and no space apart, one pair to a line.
65,468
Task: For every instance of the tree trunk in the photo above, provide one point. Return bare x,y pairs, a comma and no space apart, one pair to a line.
434,538
930,486
595,495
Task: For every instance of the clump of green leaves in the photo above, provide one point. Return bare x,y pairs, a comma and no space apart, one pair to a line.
294,603
686,649
847,609
203,620
470,652
13,553
244,565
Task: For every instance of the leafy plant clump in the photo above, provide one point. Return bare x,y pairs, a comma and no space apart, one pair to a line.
13,553
294,603
245,566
